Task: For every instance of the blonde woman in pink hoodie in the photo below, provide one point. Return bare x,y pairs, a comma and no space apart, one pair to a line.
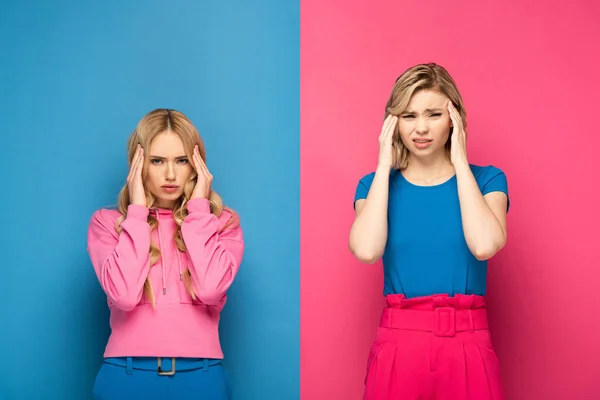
165,260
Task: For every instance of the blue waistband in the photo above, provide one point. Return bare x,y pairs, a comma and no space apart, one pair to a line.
166,363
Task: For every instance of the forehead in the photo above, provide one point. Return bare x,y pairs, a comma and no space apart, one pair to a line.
167,144
427,99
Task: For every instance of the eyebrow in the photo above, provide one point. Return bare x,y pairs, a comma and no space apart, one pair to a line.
164,158
427,110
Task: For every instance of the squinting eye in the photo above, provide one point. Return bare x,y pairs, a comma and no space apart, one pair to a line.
155,161
183,161
408,116
436,115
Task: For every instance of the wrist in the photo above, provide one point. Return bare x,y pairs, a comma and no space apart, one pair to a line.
136,211
461,167
198,196
383,168
200,193
198,204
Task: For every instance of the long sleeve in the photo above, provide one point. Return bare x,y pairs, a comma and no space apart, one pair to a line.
215,257
121,261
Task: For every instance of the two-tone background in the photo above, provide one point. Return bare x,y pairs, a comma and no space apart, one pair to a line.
289,98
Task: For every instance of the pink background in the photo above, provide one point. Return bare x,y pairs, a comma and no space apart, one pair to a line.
528,72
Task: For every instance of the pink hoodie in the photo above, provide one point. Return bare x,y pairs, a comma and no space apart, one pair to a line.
177,326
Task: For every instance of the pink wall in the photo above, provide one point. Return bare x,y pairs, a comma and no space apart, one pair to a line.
528,72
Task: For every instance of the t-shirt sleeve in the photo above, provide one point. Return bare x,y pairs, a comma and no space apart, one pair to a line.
495,181
362,189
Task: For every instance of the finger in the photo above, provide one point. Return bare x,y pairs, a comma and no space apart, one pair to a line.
198,161
133,163
452,115
456,114
194,160
458,126
458,123
205,170
389,134
198,164
195,154
386,124
141,163
457,118
202,164
136,173
389,126
393,125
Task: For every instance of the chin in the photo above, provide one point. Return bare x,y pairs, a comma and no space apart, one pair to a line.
168,199
428,151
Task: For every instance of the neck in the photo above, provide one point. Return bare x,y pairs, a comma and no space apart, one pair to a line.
164,206
429,169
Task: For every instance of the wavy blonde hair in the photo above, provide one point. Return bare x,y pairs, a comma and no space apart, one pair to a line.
415,79
152,124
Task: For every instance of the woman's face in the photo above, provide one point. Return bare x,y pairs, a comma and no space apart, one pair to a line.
425,124
168,168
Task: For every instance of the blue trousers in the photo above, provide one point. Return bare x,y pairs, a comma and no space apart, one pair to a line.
140,378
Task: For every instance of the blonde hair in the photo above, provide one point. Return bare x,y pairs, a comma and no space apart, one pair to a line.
418,78
152,124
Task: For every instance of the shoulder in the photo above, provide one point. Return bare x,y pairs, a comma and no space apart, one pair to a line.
105,217
367,180
363,186
229,222
227,214
487,173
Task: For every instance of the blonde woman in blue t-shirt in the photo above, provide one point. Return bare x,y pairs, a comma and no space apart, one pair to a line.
435,220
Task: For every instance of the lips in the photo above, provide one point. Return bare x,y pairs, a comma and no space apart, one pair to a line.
422,140
170,186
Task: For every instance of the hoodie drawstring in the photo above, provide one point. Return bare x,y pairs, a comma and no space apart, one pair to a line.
160,243
179,263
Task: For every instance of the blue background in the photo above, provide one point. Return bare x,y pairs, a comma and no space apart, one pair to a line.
75,79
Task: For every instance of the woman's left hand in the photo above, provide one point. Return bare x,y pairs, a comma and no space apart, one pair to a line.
458,152
204,179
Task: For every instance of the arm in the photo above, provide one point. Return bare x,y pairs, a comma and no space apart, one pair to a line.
215,257
368,234
121,262
483,217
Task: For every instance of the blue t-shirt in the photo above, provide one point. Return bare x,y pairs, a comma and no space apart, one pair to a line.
426,251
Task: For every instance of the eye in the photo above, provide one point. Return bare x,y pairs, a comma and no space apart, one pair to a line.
408,116
156,161
436,115
182,161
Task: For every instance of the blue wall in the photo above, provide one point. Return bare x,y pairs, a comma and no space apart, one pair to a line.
75,79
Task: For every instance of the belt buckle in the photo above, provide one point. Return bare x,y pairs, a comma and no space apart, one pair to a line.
166,373
444,321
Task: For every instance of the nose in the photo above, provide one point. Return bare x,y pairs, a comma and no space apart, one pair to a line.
170,172
421,127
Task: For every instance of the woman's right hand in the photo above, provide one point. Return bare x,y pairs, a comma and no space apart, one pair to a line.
386,155
137,195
